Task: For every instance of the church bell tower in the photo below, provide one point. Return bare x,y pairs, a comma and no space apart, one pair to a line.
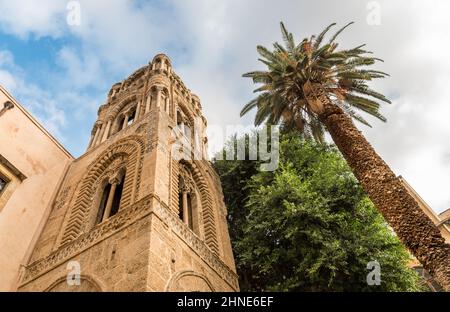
128,215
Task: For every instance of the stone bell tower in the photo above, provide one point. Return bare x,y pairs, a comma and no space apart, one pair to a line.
128,216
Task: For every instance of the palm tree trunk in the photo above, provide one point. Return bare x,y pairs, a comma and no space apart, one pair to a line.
389,195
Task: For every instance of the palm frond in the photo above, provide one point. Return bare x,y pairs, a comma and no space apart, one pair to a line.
317,130
321,35
265,53
349,111
364,89
339,31
254,103
342,73
288,38
366,105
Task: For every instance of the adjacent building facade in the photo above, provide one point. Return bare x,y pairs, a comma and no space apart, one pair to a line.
128,215
32,164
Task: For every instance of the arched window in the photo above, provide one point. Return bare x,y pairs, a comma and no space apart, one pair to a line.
126,119
187,204
110,198
131,117
184,125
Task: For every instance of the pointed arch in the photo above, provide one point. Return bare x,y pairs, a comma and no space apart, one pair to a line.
87,284
127,154
123,103
189,281
206,199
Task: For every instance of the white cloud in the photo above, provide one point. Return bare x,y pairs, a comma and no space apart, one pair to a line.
7,80
82,70
28,17
40,103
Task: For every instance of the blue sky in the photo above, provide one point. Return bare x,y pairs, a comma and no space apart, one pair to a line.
62,67
62,73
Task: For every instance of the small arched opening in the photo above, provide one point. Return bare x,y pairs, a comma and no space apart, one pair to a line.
188,201
110,197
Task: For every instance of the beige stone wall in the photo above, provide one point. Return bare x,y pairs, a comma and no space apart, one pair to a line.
116,262
149,249
42,160
175,266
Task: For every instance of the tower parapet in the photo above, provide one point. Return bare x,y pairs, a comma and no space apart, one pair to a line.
150,88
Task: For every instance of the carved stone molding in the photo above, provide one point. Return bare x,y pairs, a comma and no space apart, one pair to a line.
209,220
100,232
130,149
61,200
186,183
120,221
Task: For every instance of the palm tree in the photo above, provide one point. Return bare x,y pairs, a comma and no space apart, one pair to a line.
315,87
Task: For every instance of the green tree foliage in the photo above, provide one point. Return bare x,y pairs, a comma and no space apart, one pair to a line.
308,226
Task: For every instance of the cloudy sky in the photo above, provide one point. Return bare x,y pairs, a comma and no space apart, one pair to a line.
62,72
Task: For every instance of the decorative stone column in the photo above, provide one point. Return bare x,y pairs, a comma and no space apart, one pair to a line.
125,120
158,96
186,188
96,131
114,182
167,105
148,102
93,133
185,207
99,134
106,133
138,110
